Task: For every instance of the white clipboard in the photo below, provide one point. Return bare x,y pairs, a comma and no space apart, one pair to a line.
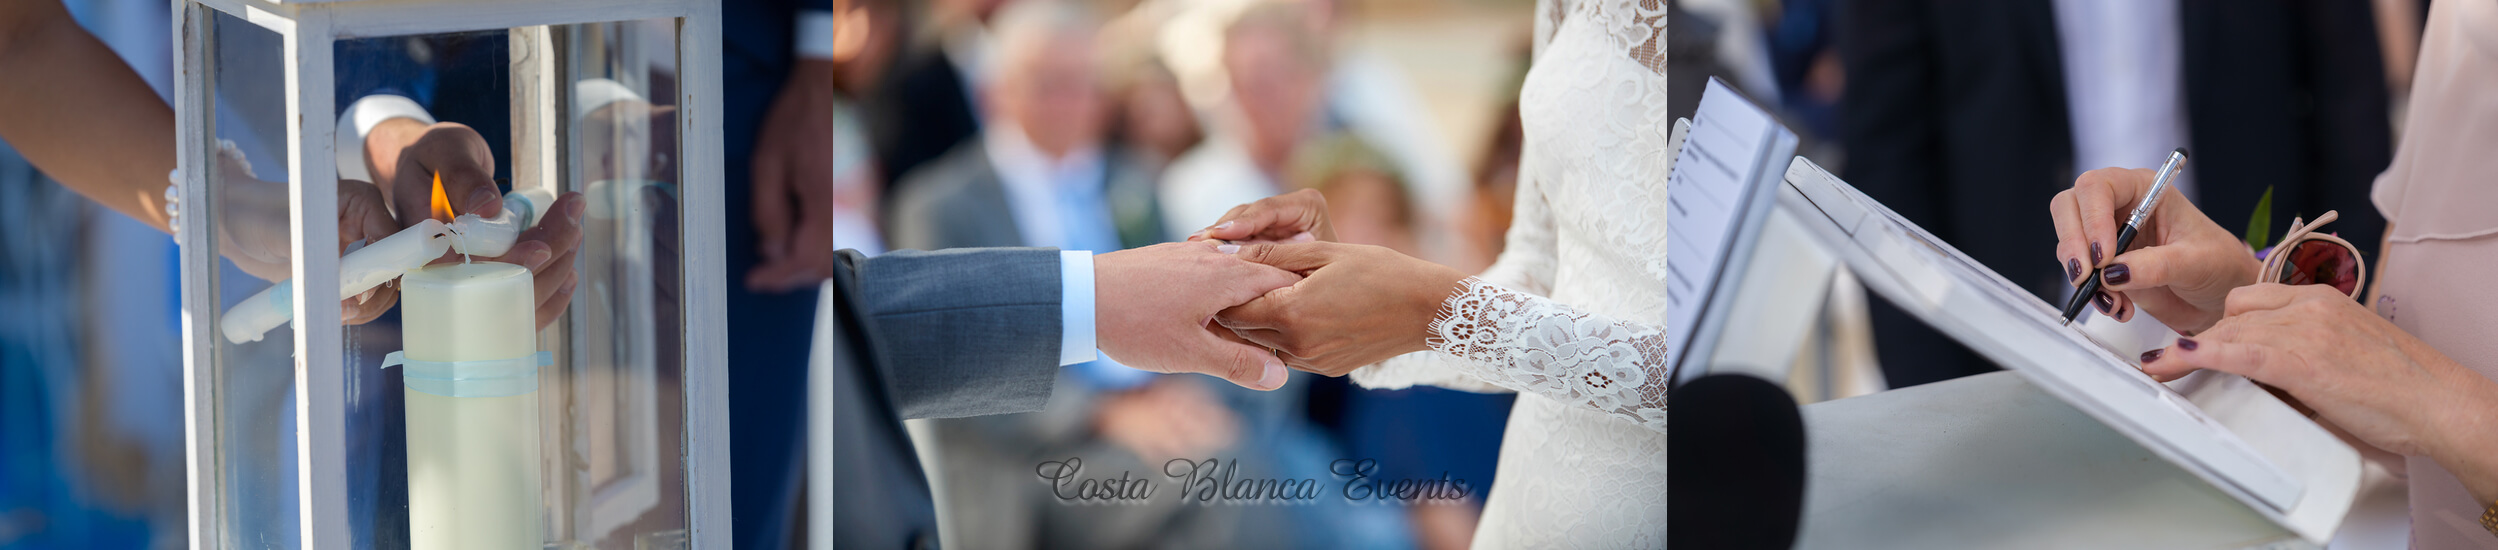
2219,427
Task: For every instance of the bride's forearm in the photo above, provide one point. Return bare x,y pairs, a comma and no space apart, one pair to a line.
76,111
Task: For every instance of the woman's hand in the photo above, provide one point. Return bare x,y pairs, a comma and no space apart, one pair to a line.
2354,368
1355,305
253,231
2183,265
1299,216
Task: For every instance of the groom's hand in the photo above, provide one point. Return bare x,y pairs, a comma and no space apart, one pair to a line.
1154,305
1355,305
1299,216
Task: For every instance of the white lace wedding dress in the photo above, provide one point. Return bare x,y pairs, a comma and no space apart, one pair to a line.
1572,316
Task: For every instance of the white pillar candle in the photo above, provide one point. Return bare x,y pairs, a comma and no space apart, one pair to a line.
472,461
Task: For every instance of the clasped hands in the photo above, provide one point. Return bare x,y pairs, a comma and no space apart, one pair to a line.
1267,288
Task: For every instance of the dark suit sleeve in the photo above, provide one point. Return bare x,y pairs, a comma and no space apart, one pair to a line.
1888,119
2354,140
962,332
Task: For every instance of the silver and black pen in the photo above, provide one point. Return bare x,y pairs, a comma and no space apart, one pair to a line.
2125,237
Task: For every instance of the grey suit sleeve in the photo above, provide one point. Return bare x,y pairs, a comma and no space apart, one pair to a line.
962,332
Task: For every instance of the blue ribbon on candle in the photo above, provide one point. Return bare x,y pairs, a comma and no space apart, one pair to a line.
490,378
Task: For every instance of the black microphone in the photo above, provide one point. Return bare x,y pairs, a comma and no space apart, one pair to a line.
1735,464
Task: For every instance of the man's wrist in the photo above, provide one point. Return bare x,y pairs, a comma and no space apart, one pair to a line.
365,119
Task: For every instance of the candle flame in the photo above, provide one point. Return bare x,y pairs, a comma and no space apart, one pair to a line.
442,205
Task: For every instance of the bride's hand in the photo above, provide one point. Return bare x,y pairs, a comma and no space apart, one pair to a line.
1355,305
1299,216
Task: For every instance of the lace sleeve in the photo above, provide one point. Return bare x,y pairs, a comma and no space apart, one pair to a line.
1530,343
1526,263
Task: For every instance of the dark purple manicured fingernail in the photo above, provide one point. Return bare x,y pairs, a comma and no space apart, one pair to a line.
2073,269
2153,355
2117,274
2186,344
2094,253
2105,303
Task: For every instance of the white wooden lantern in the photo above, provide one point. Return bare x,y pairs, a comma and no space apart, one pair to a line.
299,442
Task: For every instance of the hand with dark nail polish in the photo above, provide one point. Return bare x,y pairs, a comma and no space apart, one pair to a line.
2321,351
2149,357
2180,266
2105,304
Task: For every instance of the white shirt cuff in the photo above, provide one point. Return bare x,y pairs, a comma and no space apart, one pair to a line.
1075,307
815,34
358,121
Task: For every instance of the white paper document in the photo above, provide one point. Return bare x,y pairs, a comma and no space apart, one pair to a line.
1720,190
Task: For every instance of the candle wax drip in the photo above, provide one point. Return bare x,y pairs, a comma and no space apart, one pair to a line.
453,230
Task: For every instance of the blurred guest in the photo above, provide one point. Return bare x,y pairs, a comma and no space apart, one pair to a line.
1040,174
1369,96
871,33
1150,115
924,107
1955,109
1366,198
1277,67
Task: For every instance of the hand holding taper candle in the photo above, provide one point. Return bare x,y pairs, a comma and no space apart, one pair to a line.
2183,268
466,237
407,158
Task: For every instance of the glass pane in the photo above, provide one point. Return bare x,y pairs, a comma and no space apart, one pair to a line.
437,466
254,380
627,337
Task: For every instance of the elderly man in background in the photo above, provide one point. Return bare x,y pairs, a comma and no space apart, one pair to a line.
1276,63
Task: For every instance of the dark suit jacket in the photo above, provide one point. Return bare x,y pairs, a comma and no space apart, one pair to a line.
1955,117
928,335
919,111
958,200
